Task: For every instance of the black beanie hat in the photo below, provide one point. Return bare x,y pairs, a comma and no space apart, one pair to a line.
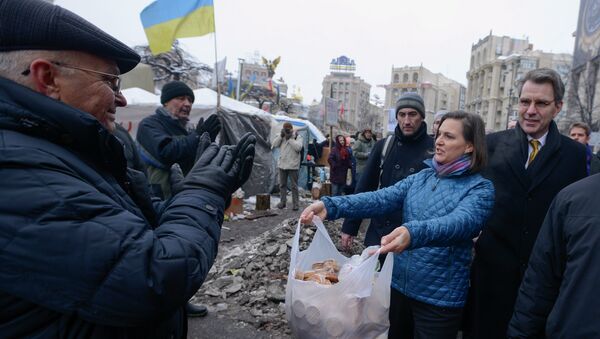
411,100
39,25
175,89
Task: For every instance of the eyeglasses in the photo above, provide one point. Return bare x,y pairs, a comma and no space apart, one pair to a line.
539,105
112,80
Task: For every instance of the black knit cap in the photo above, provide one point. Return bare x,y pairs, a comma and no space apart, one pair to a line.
175,89
411,100
39,25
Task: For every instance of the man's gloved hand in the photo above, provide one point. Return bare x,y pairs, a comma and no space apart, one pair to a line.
216,170
244,152
203,144
176,179
212,125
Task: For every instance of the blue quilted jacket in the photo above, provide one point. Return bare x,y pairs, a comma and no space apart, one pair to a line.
443,215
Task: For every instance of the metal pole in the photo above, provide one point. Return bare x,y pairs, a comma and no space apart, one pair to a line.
239,81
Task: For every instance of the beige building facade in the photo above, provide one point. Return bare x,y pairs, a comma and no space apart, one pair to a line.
438,92
496,67
353,94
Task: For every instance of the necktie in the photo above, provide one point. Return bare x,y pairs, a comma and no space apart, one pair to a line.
535,145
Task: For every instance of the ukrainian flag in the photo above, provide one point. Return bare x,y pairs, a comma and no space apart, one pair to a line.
167,20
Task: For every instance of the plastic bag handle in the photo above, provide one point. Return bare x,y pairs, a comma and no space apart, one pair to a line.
296,240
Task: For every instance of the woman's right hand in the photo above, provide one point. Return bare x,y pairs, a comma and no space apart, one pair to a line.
316,208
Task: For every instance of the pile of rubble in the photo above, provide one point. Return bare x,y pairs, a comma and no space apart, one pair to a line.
247,282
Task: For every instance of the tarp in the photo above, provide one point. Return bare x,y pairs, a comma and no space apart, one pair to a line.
238,118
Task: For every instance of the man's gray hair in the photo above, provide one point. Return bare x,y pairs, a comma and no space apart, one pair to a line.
543,76
13,63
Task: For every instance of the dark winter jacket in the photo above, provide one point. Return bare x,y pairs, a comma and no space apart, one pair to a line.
130,149
163,142
361,149
339,167
522,200
560,293
443,215
404,157
79,258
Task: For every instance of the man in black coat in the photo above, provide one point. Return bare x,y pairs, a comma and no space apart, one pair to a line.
528,165
80,257
560,293
406,150
164,138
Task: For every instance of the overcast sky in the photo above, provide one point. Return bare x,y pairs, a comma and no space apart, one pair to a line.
377,34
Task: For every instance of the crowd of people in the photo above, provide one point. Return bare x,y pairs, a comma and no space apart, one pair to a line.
493,234
102,236
100,240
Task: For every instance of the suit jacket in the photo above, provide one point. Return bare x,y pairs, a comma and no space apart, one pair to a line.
522,200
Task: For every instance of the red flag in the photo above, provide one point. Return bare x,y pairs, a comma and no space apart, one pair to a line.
342,111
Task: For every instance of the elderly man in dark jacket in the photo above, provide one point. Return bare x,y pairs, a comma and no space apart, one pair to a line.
528,165
405,152
164,138
80,259
560,294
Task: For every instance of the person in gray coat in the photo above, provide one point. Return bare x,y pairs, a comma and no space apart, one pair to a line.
362,149
290,153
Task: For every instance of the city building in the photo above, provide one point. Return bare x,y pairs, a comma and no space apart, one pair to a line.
582,89
438,92
258,75
351,91
497,64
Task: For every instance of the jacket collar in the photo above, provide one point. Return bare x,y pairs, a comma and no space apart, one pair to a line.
545,162
32,113
418,135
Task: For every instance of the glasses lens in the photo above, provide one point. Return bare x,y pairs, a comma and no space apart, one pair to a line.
117,84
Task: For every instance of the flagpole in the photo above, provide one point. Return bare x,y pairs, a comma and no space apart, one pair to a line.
216,60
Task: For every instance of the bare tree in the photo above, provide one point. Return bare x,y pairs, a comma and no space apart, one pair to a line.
176,64
583,93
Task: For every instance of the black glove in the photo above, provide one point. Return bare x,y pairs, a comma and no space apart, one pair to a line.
216,171
203,144
176,179
244,152
212,125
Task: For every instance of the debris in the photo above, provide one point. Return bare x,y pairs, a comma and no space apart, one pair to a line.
247,282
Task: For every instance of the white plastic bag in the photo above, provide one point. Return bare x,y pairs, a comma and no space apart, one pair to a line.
355,307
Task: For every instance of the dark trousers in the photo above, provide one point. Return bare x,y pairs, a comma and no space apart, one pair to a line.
283,186
410,318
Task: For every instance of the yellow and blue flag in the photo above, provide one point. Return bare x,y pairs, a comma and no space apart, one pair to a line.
167,20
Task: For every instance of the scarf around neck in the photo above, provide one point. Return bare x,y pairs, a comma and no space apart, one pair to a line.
456,167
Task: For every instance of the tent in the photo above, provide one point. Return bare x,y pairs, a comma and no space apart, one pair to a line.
237,118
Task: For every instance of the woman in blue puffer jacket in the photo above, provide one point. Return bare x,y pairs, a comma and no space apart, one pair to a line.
445,207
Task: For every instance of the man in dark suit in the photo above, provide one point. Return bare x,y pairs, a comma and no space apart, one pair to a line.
528,165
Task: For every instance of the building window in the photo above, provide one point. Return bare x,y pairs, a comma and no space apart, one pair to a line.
405,78
415,77
396,78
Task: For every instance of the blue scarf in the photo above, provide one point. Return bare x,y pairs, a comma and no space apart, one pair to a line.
456,167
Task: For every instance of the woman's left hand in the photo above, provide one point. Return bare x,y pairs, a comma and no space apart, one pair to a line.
397,241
